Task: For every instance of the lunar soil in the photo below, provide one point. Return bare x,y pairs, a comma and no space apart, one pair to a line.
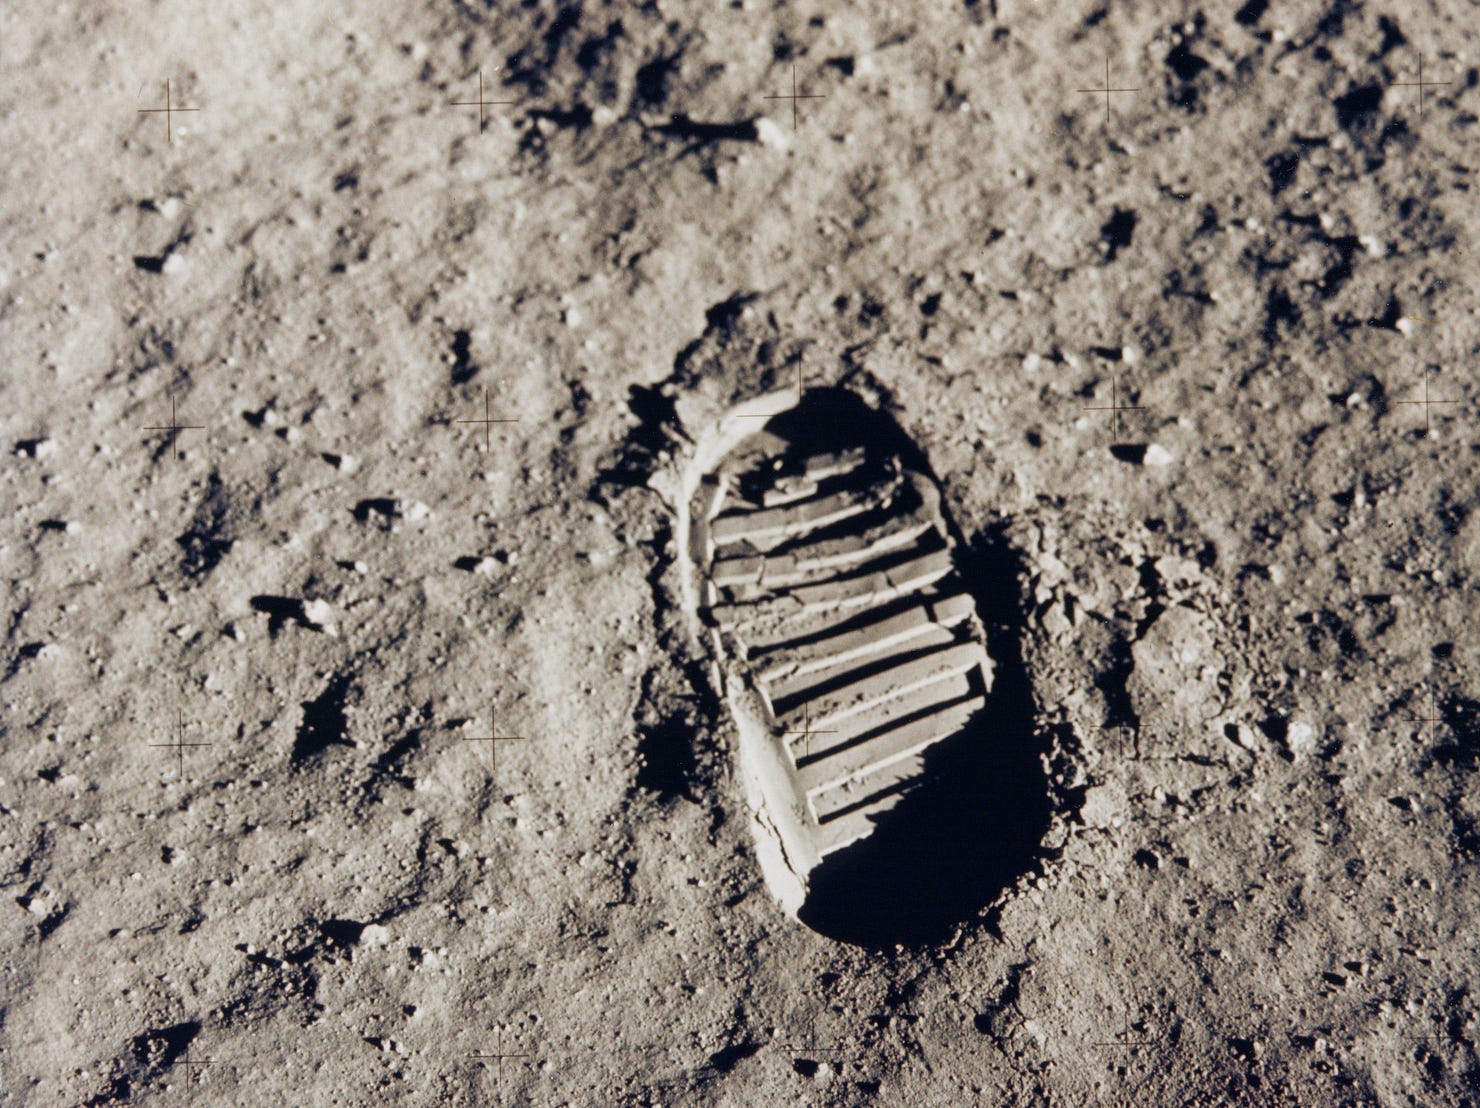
359,743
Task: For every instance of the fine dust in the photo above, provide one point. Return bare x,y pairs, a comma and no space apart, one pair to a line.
357,747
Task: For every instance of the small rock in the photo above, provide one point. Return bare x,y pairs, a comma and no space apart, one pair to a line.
375,934
169,207
771,134
1055,622
1102,806
389,511
43,650
265,416
175,265
319,615
345,463
1157,455
1300,739
35,905
39,449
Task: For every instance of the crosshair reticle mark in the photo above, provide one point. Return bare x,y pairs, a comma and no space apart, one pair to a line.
188,1063
493,738
1107,90
500,1055
1421,84
1123,1038
810,1047
175,427
1115,407
1119,732
808,730
1429,720
773,415
1422,1040
179,745
480,103
168,111
487,423
1428,427
794,97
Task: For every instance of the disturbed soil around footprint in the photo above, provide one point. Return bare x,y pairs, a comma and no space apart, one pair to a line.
451,775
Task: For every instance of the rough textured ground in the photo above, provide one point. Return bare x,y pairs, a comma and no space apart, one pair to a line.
1260,890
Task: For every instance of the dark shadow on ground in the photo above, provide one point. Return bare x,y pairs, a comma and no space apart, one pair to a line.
952,846
977,821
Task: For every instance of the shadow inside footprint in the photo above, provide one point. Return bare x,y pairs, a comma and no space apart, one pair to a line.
884,716
975,823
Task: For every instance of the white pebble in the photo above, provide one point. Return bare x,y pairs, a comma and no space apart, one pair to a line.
1301,739
771,134
320,614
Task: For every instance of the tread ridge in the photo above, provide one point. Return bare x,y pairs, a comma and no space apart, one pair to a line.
832,579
